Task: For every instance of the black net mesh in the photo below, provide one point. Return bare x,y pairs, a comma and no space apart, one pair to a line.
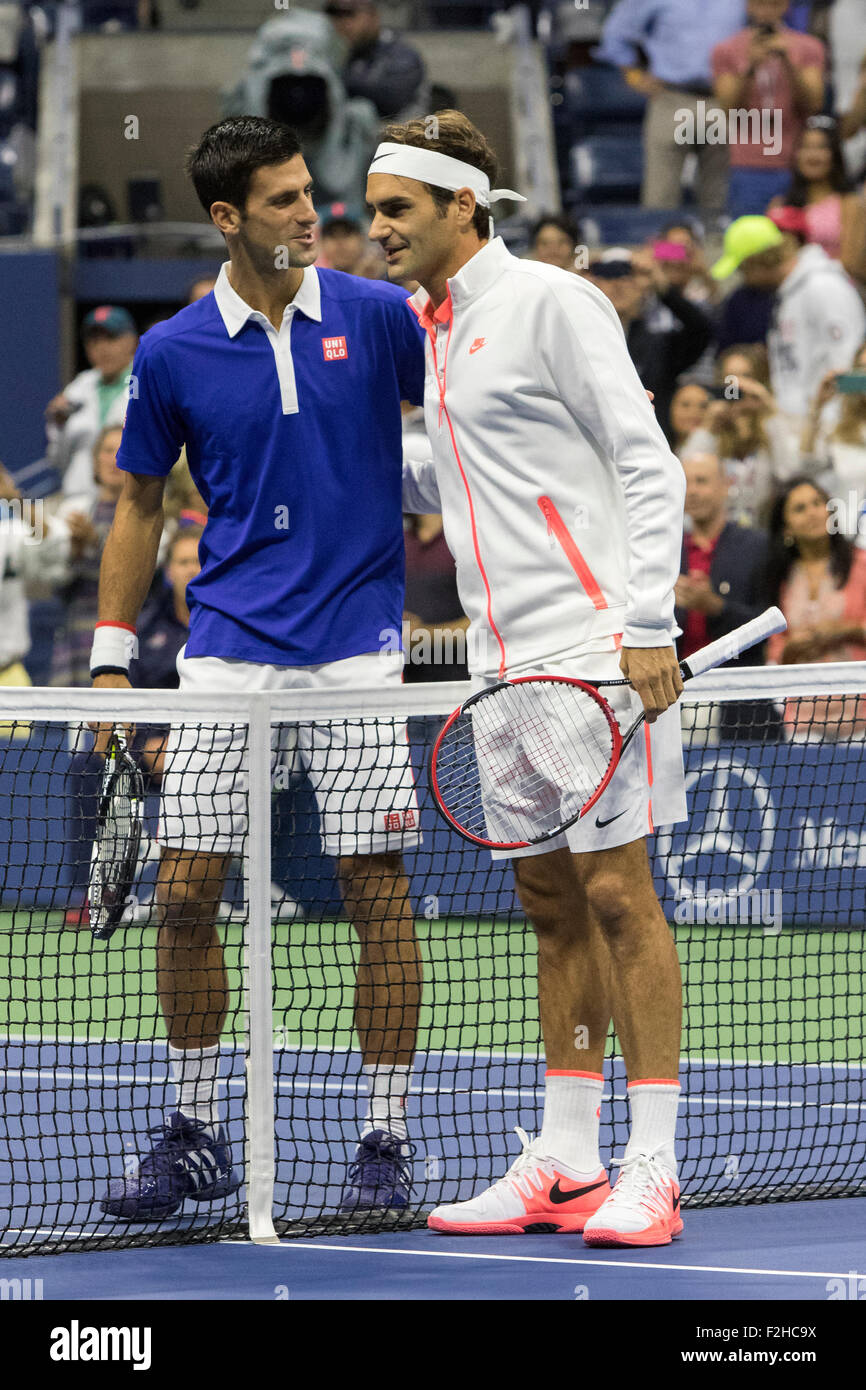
763,887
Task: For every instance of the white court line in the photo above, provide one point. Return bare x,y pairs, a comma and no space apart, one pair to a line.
471,1055
300,1085
321,1244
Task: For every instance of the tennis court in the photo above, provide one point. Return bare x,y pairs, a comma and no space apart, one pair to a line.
773,1102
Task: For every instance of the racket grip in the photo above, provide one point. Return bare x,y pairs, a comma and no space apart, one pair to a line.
733,644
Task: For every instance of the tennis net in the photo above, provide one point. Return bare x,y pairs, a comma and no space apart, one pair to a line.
763,886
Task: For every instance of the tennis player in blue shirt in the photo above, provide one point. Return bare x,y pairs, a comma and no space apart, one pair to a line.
284,384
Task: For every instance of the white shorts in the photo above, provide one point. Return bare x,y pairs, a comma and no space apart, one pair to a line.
647,789
361,771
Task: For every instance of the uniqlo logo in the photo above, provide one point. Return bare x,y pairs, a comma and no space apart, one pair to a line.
335,349
392,820
408,820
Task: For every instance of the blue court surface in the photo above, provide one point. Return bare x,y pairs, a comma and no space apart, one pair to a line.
75,1113
812,1251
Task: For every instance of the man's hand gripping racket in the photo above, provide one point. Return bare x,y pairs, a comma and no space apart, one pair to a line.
522,761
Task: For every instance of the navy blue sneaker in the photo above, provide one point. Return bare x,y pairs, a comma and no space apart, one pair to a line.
380,1175
185,1161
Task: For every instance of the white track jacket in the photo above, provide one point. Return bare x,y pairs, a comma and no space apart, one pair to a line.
562,503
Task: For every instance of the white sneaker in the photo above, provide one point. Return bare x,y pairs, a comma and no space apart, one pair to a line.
642,1209
537,1195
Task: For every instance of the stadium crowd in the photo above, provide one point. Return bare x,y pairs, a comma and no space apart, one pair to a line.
756,358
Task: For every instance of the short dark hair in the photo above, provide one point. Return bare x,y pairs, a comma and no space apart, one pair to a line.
340,226
561,223
457,137
229,153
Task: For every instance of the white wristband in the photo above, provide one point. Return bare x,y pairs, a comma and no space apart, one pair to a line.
114,645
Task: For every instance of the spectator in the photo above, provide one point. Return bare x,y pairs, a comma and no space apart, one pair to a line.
745,430
29,554
292,76
689,274
854,119
818,579
665,333
381,66
200,287
746,314
88,530
344,248
834,216
94,399
677,38
554,241
774,78
163,629
182,502
835,439
818,322
436,649
688,408
722,563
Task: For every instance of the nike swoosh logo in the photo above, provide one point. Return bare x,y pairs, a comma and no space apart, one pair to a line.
557,1196
676,1201
602,823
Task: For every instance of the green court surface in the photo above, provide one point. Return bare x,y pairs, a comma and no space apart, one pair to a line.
796,997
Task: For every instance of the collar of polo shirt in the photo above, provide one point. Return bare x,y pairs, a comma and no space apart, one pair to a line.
235,311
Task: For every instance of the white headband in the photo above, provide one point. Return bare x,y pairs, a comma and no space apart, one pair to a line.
429,166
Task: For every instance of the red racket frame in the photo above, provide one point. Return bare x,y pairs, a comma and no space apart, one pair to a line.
551,834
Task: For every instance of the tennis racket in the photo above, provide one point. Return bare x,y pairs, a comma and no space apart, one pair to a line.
522,761
114,859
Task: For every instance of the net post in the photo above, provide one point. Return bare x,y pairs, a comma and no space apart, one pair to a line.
260,1058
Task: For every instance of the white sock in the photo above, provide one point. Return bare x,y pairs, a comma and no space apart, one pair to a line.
386,1107
194,1073
654,1119
569,1131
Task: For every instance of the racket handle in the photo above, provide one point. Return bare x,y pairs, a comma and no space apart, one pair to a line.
734,643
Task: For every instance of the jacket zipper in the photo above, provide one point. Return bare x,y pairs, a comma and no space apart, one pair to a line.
557,527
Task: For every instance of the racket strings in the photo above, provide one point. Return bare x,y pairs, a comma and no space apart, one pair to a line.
116,847
521,761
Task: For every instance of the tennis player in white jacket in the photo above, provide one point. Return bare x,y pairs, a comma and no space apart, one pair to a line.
562,505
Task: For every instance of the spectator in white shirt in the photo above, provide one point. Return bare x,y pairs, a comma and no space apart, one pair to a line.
33,550
818,318
93,399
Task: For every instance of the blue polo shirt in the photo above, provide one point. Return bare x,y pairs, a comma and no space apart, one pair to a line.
294,440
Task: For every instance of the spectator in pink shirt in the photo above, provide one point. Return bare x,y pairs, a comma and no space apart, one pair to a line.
775,77
833,215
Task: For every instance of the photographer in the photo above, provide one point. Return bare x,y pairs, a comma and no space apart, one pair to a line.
779,73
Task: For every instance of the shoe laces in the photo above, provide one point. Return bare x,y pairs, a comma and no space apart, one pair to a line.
172,1144
643,1182
524,1171
383,1150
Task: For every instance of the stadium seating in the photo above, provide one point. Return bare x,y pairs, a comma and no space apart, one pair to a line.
622,226
606,168
598,99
